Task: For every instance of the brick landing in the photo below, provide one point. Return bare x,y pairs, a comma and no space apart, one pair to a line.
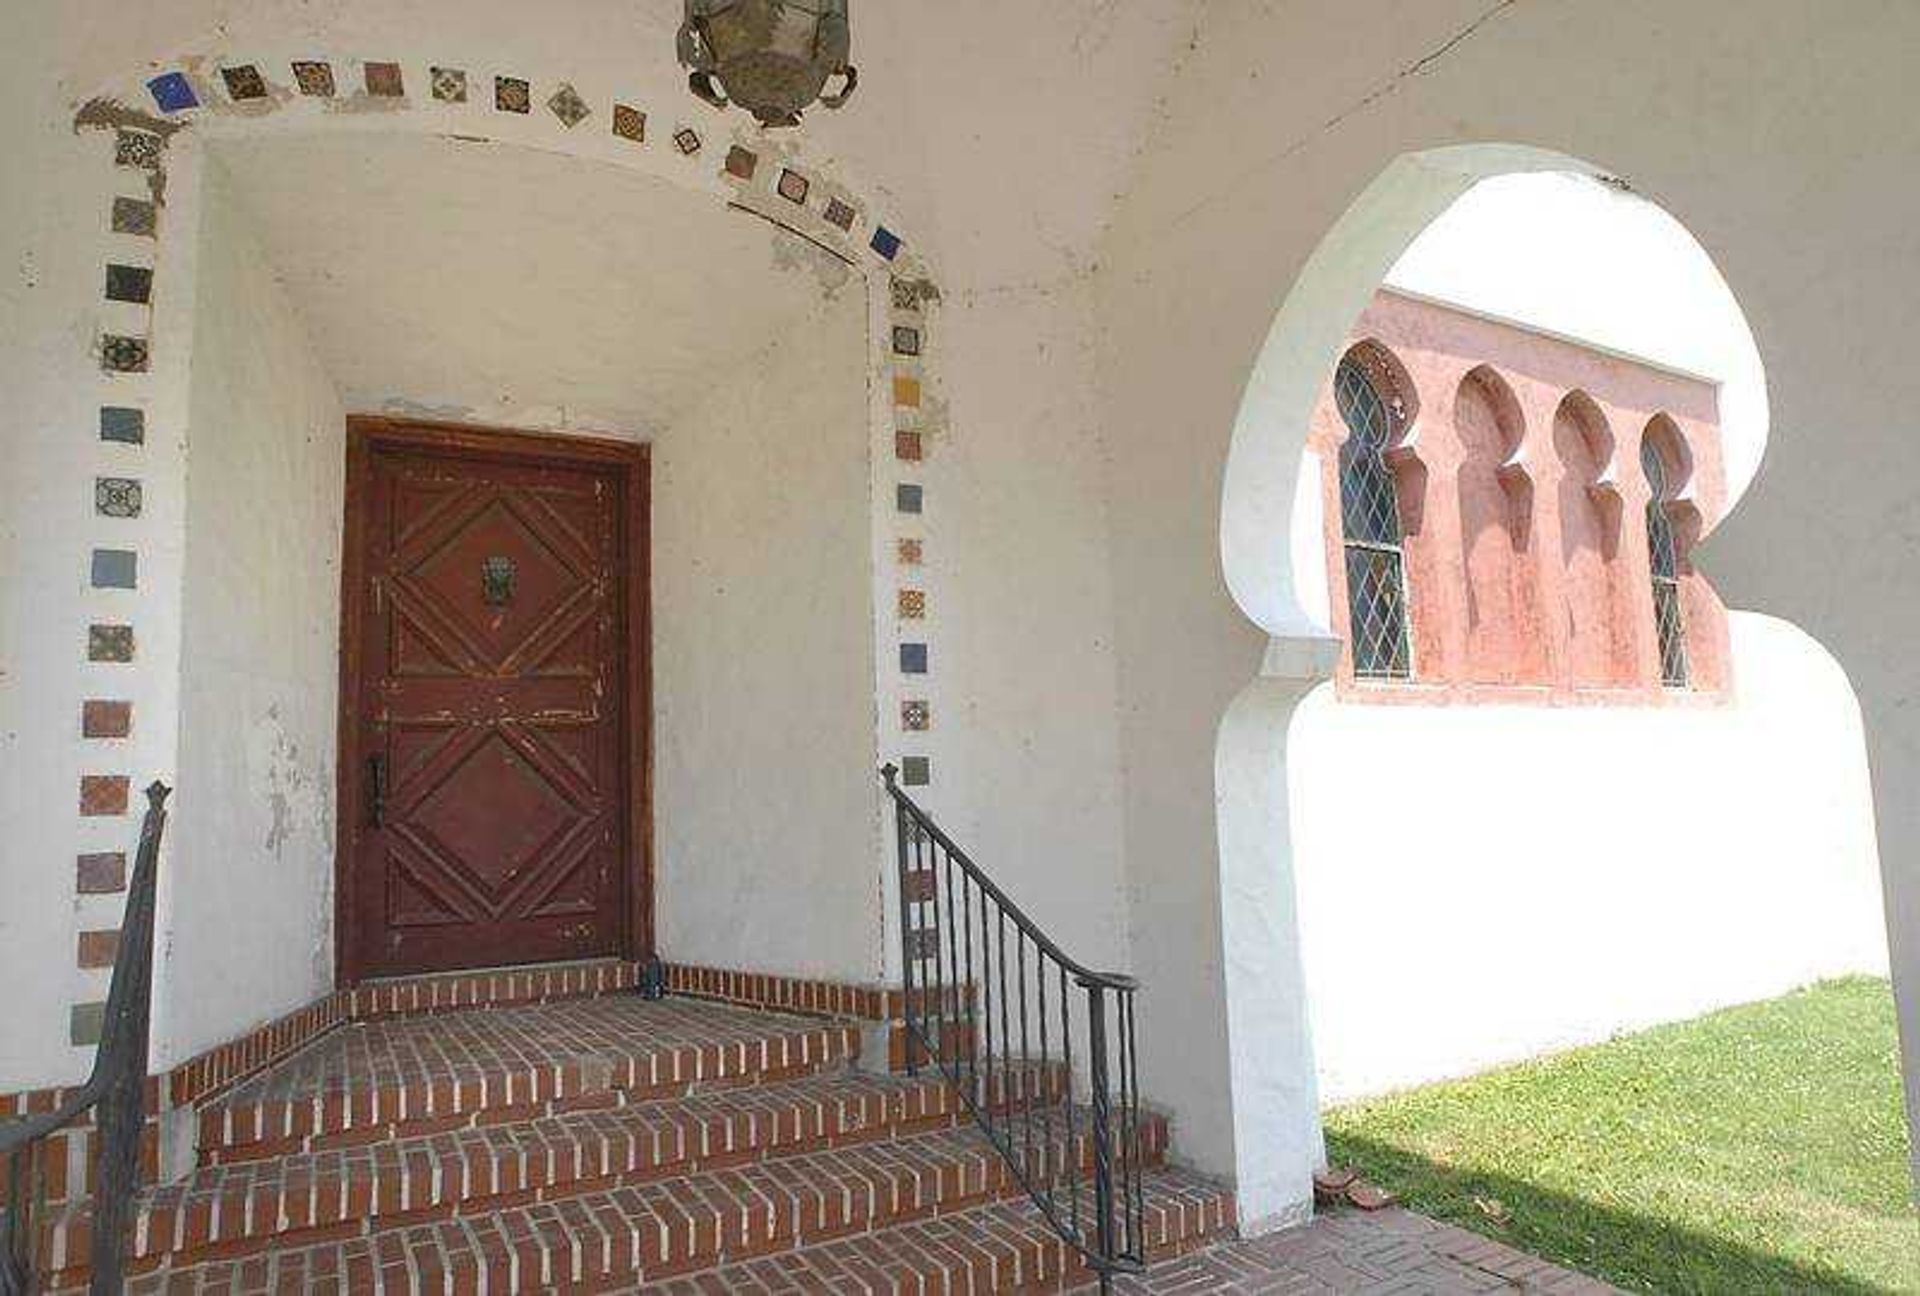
1355,1254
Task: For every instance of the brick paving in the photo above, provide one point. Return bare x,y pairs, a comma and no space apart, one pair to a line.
1356,1254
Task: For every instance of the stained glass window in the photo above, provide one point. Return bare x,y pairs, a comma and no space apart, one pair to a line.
1664,560
1370,528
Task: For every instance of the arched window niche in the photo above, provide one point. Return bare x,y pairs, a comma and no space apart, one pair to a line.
1597,591
1505,640
1673,525
1380,495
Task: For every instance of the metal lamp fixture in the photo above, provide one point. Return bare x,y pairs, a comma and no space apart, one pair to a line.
772,57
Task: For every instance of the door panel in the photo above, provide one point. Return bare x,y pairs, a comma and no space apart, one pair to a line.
492,827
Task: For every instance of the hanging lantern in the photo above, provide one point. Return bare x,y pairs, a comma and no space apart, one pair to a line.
772,57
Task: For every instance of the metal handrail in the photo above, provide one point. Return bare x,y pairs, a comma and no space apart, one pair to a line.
1010,1054
116,1090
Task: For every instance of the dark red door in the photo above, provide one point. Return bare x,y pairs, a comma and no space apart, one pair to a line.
490,754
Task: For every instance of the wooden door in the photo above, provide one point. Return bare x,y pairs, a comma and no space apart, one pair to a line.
485,763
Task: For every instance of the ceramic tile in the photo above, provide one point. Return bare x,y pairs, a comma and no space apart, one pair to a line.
913,605
116,569
511,94
886,243
910,553
910,499
906,392
568,106
629,123
110,643
742,163
839,214
906,341
314,78
104,719
916,771
123,354
908,446
104,794
913,659
385,80
119,423
916,716
134,216
172,92
687,140
117,497
244,82
141,149
794,186
86,1022
101,874
908,295
449,84
127,283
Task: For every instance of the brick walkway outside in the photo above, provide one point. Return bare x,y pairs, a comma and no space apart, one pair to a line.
1392,1251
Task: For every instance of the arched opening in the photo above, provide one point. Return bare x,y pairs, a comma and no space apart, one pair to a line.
1504,639
1598,598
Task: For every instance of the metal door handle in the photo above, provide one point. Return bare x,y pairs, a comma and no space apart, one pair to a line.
377,782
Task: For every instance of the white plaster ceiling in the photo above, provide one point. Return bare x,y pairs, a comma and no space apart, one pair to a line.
483,282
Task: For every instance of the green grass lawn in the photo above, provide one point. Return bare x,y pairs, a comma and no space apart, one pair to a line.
1760,1149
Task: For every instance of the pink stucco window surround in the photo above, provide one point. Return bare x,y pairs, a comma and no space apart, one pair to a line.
1524,504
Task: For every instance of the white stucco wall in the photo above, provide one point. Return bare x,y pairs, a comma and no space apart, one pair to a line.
248,932
765,818
1480,884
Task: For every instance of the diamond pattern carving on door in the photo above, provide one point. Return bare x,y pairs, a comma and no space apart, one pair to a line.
492,735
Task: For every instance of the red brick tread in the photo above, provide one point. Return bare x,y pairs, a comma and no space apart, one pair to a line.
418,1075
631,1241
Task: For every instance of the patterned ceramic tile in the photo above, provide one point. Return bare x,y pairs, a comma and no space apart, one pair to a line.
908,295
123,354
629,123
86,1023
450,84
314,78
916,771
127,426
511,94
110,643
913,605
886,242
116,569
568,106
913,659
687,140
839,214
908,446
133,216
794,186
104,794
910,499
173,92
906,341
385,81
244,82
137,149
117,497
742,163
104,719
906,392
910,553
127,283
916,716
101,874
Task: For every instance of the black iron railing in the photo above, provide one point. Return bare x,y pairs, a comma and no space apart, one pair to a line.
1015,1024
115,1096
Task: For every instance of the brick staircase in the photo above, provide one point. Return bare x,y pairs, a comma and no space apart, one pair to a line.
608,1144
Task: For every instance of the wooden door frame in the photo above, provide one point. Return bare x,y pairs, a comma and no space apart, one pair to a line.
629,465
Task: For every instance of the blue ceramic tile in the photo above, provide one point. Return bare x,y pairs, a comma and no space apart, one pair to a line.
886,242
115,569
128,426
173,92
910,499
913,659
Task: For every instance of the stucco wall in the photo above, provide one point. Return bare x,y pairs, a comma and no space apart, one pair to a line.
1480,884
249,934
765,816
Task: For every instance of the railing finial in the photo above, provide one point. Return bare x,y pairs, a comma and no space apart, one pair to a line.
890,772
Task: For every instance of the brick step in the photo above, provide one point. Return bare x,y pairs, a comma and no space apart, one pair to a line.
615,1236
1001,1248
409,1076
364,1189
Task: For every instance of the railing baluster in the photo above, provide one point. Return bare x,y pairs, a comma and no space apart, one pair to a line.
978,1059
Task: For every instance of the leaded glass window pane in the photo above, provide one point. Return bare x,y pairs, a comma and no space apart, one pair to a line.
1370,526
1663,556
